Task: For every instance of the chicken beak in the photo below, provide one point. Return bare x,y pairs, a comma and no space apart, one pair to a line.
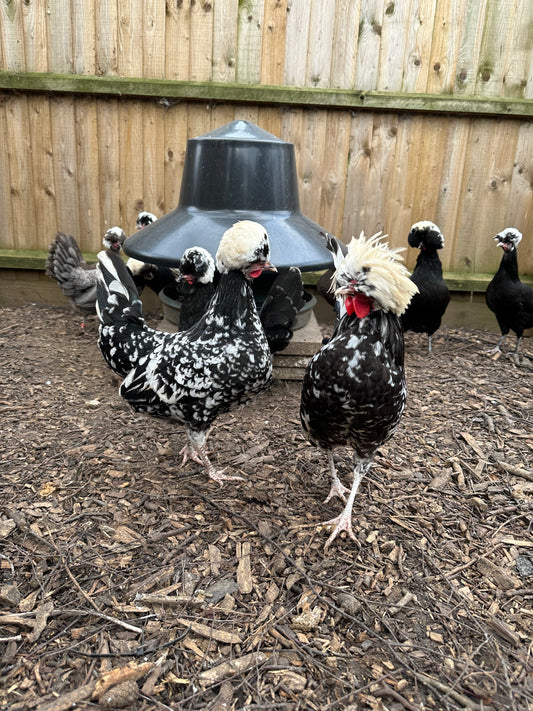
268,267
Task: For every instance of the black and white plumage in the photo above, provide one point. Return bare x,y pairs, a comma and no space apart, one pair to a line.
353,391
191,376
510,299
77,280
424,313
197,279
144,218
154,276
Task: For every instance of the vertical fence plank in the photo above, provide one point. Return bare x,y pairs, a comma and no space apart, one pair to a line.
83,38
519,209
298,19
20,173
447,32
225,25
368,50
86,122
201,44
320,43
394,33
468,54
345,41
357,172
177,41
43,185
249,41
273,47
35,36
108,162
333,171
418,45
107,29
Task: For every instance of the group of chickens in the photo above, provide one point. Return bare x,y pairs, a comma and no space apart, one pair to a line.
353,391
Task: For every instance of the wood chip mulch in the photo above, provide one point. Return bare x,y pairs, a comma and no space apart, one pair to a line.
129,582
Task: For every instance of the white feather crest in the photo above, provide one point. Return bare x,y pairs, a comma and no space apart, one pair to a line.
240,245
378,272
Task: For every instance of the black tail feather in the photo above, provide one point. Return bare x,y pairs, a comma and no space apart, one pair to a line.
280,308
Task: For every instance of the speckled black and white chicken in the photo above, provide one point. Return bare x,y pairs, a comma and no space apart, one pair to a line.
191,376
353,391
424,313
278,311
77,280
509,298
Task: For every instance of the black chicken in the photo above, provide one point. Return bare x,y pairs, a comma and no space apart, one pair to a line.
196,280
278,312
154,276
425,312
191,376
510,299
281,305
65,263
353,390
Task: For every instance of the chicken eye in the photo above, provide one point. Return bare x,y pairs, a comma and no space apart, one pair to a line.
365,270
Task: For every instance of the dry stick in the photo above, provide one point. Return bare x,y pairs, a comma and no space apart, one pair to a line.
510,469
97,613
389,691
449,691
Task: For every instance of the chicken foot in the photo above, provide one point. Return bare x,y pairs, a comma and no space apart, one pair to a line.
343,522
196,451
337,487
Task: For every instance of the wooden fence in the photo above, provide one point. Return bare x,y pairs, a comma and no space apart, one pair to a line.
399,111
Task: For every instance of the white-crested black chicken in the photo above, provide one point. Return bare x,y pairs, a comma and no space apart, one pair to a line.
278,312
353,391
424,313
196,280
154,276
77,280
191,376
510,299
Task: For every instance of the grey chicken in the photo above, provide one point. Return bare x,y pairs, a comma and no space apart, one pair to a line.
77,280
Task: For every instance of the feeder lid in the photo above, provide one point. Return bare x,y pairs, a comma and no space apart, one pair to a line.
236,172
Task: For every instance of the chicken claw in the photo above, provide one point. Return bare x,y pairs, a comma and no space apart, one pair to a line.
341,523
337,489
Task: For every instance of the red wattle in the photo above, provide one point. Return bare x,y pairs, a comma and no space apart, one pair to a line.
255,273
359,304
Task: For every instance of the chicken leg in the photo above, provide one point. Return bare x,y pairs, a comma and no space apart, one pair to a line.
343,522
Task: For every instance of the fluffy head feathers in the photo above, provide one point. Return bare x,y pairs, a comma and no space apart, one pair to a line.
370,268
144,219
198,263
424,235
508,239
114,238
244,244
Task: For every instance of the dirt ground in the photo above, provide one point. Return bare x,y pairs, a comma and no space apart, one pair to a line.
127,581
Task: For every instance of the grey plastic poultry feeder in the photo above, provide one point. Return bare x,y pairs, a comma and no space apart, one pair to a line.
236,172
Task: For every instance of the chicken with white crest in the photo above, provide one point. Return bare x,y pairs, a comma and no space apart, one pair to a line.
509,298
191,376
353,391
